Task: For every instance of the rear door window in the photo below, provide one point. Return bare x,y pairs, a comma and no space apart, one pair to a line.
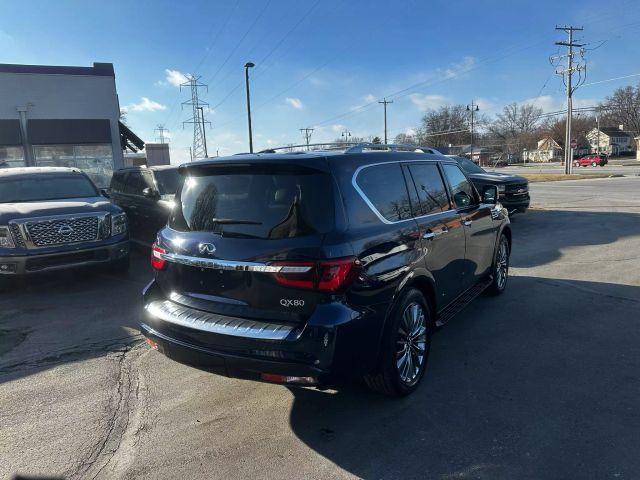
385,189
135,183
432,194
269,202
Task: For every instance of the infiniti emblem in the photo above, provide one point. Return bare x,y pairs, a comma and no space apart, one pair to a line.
206,248
65,230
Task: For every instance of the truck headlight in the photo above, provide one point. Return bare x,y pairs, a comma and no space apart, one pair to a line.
6,239
118,224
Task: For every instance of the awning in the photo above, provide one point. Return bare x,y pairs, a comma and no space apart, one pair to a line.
129,140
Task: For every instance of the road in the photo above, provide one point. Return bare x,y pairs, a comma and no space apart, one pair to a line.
542,382
622,168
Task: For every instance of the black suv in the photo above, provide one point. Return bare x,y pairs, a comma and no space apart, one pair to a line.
53,218
308,268
513,190
146,195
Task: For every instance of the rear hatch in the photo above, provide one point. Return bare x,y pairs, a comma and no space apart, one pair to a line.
246,240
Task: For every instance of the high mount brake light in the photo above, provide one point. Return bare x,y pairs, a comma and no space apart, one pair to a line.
324,276
157,262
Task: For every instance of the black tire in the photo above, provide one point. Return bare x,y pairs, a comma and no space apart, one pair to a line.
594,164
500,267
394,377
120,266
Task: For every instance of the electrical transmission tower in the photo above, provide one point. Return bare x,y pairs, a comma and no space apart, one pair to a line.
161,133
199,149
579,67
306,133
385,102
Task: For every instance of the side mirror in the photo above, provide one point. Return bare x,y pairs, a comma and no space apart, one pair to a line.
105,193
150,193
490,194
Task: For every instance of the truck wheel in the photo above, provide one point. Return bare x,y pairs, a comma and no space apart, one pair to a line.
500,268
405,349
121,266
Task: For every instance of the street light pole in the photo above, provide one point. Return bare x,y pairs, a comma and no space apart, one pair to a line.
346,134
472,108
247,66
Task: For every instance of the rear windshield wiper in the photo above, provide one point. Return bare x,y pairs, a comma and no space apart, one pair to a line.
233,221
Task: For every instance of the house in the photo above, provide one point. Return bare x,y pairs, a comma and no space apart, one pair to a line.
638,147
548,151
610,140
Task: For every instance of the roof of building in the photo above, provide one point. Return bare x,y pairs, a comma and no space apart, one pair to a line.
614,132
98,69
5,172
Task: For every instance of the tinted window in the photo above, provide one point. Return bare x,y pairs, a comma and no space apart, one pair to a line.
468,166
45,187
167,181
385,188
461,190
432,194
272,203
118,182
135,183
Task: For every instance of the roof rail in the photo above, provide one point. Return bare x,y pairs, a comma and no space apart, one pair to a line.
354,148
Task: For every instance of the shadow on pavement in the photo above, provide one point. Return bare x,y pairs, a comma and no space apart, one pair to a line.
513,389
67,316
540,235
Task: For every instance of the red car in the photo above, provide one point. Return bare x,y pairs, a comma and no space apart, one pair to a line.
593,160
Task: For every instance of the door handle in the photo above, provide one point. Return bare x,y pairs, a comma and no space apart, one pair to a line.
467,222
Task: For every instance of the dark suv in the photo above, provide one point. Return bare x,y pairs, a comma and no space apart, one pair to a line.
513,190
146,195
53,218
309,268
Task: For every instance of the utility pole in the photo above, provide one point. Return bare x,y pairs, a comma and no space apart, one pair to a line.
247,66
197,119
567,76
385,102
472,108
160,129
306,133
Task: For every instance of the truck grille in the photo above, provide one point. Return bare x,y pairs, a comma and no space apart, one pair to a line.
59,231
515,187
17,236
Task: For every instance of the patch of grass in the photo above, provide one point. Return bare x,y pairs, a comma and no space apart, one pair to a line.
556,177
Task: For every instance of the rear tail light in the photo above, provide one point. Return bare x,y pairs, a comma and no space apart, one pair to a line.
325,275
157,262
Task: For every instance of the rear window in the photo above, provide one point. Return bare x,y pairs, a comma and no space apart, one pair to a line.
39,187
255,202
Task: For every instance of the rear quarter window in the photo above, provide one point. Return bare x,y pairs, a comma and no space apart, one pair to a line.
384,187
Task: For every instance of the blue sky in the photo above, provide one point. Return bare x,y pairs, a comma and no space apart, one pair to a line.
322,63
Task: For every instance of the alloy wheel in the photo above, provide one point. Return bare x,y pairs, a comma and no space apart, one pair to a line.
411,344
502,265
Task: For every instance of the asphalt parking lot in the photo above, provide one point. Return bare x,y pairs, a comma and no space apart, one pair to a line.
542,382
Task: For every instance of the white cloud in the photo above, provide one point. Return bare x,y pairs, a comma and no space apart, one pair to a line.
367,99
145,105
458,69
294,102
173,77
338,128
426,102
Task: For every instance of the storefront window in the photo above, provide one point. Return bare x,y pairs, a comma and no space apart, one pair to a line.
95,160
11,156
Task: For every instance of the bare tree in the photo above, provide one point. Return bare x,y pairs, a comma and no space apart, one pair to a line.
581,125
517,124
405,139
447,125
623,108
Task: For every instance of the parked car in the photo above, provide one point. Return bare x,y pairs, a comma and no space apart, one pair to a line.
513,190
53,218
312,268
146,195
593,160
